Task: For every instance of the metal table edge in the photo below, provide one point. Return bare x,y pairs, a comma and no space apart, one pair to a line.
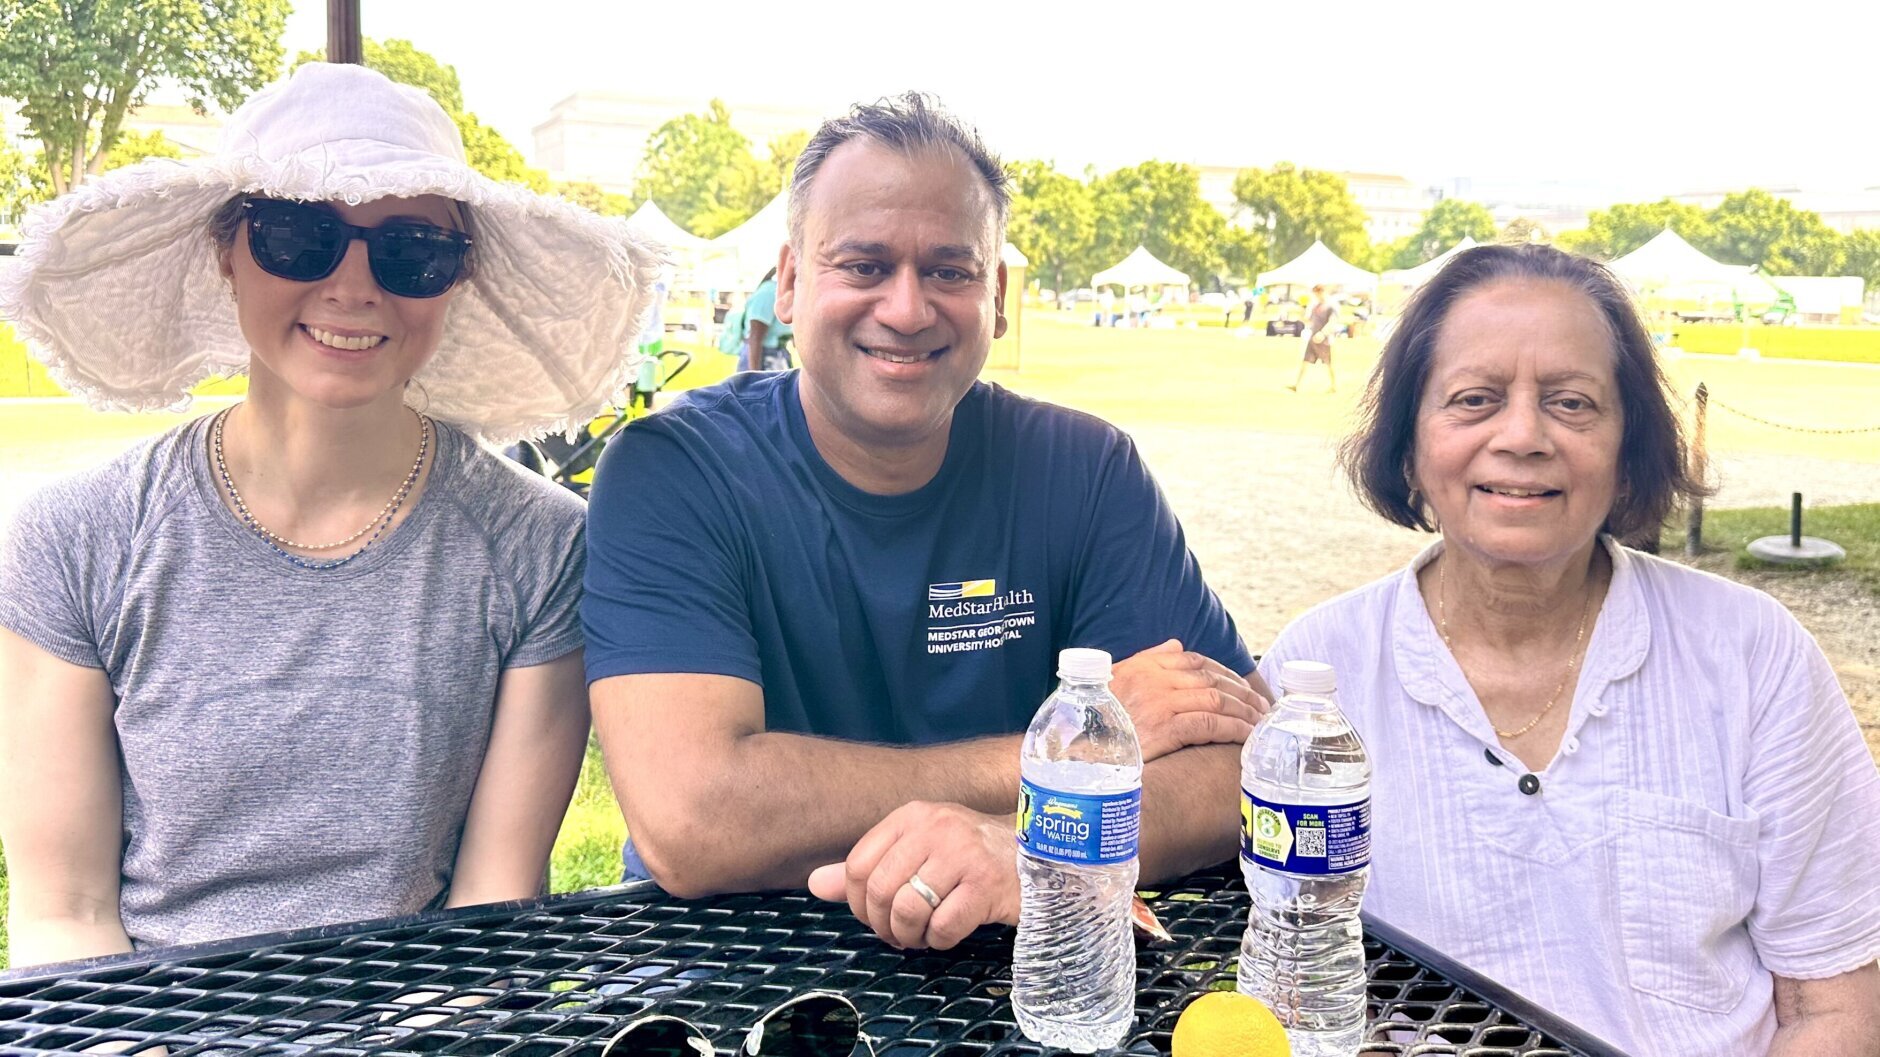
1500,995
53,971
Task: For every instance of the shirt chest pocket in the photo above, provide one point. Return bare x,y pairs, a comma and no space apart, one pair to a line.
1687,882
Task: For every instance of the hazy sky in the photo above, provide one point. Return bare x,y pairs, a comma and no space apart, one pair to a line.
1644,96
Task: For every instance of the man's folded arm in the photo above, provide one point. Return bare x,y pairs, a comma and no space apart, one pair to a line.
1190,811
1191,804
715,803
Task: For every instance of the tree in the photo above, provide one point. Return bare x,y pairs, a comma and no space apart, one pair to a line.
133,147
1863,256
1243,254
1296,207
490,154
1520,230
402,61
1613,233
77,66
486,149
1448,222
23,181
592,196
1053,222
782,161
1159,205
1756,227
701,173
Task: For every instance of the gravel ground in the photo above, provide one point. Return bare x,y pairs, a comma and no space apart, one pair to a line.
1277,531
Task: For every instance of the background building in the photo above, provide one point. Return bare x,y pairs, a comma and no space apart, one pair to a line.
1393,205
192,133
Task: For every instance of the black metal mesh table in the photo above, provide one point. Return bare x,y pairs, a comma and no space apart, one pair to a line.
558,976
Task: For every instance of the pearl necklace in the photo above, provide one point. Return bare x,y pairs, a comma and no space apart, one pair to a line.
1573,662
278,543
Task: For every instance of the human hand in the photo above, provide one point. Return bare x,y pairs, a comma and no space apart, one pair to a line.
967,858
1178,698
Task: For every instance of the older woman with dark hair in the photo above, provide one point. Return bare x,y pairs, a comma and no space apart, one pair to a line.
1632,791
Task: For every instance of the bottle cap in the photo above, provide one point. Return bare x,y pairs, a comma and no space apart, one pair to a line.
1084,664
1307,677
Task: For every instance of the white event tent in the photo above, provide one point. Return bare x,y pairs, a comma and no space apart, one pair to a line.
687,249
1140,268
1667,259
1672,269
1823,298
653,223
1411,278
1319,266
738,259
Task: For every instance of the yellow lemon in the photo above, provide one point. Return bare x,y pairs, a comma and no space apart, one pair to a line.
1228,1024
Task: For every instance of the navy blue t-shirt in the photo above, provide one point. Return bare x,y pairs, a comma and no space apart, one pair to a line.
720,542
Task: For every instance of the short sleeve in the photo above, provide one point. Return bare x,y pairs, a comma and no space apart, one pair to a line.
1136,582
48,575
550,599
666,588
762,307
1813,783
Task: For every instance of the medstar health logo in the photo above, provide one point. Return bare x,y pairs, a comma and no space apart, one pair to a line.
962,589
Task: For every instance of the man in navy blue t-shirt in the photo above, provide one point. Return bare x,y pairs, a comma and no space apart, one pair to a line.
822,605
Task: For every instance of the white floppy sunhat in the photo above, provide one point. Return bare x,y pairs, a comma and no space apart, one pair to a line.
116,286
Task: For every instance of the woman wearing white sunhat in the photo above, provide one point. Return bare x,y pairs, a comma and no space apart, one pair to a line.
315,657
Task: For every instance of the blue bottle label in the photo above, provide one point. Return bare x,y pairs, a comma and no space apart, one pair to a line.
1097,830
1305,838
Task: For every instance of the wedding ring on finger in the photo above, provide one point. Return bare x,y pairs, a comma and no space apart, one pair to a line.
923,890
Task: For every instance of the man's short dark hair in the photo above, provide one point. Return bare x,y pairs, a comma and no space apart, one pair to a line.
1653,473
906,123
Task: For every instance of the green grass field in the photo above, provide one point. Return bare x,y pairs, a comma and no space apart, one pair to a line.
1845,344
1201,376
1855,527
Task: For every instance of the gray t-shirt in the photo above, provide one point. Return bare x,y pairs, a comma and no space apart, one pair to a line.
299,746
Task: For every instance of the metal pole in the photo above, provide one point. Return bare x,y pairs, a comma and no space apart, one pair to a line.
1694,530
1795,520
343,40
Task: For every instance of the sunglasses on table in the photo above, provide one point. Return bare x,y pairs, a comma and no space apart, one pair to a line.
819,1024
305,241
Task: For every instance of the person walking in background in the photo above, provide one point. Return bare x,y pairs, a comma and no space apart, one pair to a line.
759,337
1320,324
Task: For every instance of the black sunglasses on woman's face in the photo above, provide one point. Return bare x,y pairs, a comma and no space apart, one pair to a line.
305,241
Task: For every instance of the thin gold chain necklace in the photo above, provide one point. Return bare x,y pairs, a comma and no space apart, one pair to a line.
1573,661
274,539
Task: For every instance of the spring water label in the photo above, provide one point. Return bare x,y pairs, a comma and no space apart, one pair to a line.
1095,830
1305,838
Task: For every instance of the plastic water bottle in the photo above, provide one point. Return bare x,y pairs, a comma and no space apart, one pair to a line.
1305,818
1079,814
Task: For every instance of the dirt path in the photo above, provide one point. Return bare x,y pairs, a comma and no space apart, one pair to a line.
1277,531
